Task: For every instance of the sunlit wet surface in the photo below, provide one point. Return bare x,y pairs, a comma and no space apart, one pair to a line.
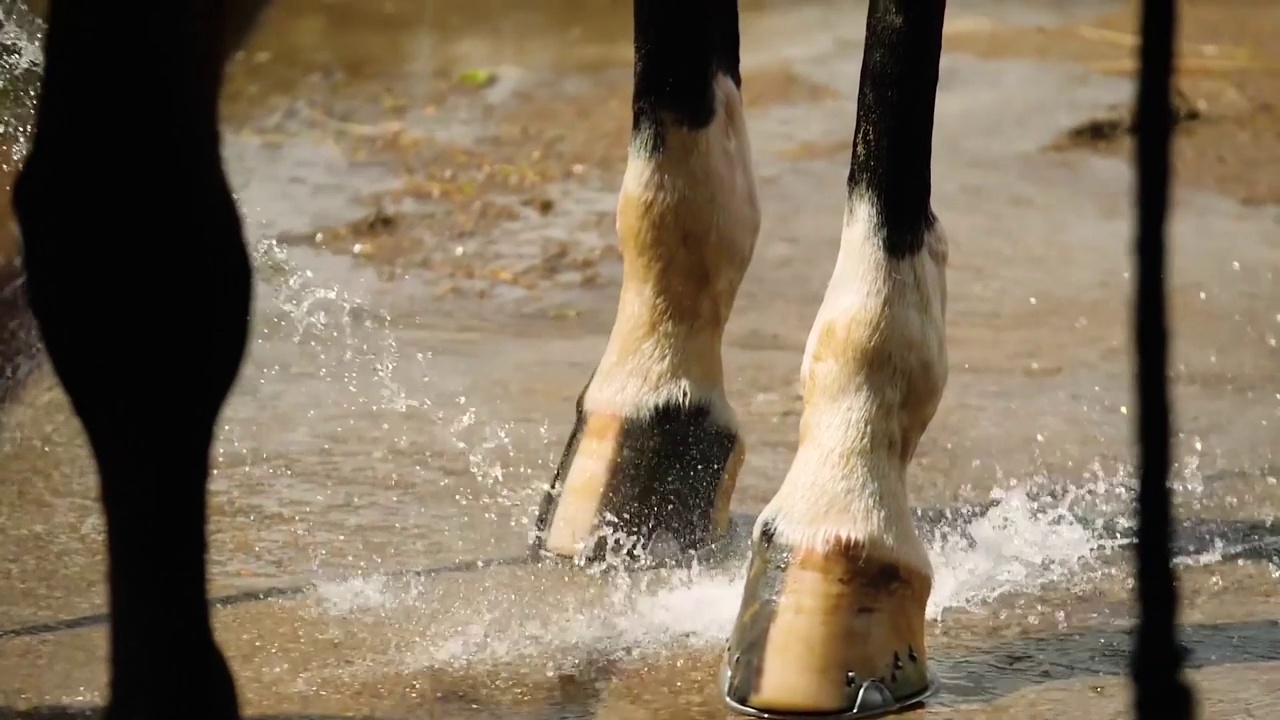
429,189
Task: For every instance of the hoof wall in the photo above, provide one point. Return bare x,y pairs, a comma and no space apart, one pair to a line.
827,633
622,482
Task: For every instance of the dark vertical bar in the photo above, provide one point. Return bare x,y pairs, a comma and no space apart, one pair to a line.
1156,665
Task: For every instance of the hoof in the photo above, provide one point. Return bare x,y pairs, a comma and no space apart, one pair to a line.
622,481
827,633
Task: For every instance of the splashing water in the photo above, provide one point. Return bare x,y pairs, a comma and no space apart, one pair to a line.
1031,537
20,59
1018,546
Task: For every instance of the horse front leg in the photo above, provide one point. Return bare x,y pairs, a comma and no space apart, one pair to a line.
139,281
833,614
656,450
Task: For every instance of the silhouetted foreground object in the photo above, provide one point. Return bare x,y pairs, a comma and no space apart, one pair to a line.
1160,691
148,394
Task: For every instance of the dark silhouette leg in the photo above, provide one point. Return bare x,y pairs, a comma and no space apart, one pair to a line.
139,280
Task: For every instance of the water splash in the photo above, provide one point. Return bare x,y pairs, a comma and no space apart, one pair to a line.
1036,534
623,614
418,432
20,62
1020,545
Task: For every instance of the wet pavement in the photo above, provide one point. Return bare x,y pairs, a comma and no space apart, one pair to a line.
430,190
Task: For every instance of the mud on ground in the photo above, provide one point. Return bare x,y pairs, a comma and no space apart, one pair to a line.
1228,73
551,133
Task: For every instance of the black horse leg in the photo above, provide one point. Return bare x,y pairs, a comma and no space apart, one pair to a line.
138,278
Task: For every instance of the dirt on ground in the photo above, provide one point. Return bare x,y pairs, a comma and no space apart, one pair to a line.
1227,110
1228,77
536,142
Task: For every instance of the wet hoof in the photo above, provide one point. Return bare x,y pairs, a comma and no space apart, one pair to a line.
831,633
623,482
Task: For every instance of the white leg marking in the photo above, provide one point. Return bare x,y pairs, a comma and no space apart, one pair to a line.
687,225
874,369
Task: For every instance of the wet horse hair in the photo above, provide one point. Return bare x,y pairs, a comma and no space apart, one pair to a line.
149,401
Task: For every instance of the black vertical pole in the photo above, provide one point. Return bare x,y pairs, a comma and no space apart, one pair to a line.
1156,664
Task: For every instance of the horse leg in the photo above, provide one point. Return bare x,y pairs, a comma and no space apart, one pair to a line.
839,579
655,448
147,389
